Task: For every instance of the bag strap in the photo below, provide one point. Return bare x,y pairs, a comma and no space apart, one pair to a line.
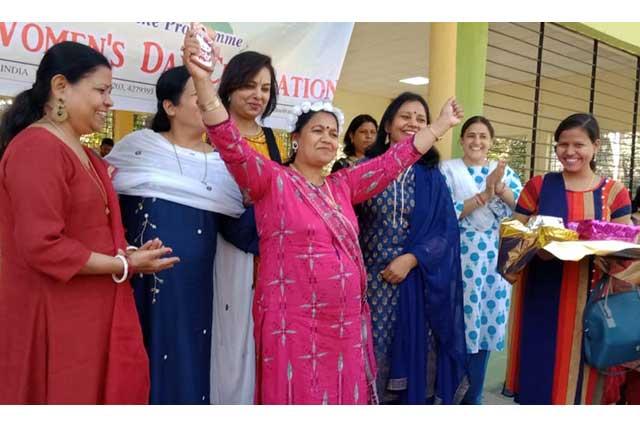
596,292
272,145
605,281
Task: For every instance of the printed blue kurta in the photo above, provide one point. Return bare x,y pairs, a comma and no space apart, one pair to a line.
486,293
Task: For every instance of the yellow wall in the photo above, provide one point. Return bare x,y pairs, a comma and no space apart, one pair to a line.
122,124
442,74
623,35
353,104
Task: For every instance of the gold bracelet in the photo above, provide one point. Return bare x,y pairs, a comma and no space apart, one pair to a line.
434,134
212,105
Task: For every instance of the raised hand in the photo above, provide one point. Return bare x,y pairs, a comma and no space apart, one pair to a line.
451,113
191,52
496,176
500,169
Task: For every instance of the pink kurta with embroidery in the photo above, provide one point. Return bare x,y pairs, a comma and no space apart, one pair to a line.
312,327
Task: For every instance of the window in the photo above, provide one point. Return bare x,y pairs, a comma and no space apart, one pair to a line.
539,73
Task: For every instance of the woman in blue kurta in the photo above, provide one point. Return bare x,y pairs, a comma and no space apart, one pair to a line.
173,185
484,193
410,241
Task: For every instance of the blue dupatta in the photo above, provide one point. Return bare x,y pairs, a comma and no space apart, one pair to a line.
428,349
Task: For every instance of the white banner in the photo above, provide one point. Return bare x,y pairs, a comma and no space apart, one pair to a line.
307,57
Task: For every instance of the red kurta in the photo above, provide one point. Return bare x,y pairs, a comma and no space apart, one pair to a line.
63,336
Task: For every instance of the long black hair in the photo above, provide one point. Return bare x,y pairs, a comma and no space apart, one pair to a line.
170,87
242,68
357,122
585,121
72,60
429,159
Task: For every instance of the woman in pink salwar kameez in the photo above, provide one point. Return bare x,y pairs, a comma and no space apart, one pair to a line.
312,325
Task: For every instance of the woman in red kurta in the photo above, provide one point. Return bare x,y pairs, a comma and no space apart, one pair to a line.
68,332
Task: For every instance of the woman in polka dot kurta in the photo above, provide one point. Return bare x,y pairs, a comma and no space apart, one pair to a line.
484,193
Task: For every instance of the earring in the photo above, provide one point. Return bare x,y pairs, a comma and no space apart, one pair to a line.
60,114
294,145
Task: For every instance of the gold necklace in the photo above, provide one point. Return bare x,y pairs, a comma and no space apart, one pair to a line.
592,183
90,169
256,138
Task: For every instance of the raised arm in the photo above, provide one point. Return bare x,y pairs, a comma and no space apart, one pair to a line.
369,178
251,170
372,177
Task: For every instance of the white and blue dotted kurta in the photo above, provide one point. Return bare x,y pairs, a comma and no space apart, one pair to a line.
486,293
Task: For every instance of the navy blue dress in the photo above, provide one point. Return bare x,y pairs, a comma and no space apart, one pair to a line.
175,306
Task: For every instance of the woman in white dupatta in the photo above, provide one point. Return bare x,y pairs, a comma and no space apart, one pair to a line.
174,185
484,193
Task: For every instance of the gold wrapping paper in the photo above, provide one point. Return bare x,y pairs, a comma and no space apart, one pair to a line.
519,244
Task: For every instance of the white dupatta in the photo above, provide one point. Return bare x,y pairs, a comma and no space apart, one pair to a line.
464,187
147,166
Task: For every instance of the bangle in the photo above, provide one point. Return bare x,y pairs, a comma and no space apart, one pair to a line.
132,248
212,105
433,133
125,274
130,266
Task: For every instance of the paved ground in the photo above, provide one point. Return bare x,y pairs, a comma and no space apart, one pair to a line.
495,378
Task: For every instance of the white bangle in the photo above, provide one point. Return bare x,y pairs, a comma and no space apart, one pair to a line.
125,274
132,248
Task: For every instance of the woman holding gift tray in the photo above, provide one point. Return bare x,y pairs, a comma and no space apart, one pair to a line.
545,364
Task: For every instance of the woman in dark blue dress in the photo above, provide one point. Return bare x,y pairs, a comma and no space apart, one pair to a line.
173,185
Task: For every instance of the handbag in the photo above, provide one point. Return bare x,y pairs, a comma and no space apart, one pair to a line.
611,334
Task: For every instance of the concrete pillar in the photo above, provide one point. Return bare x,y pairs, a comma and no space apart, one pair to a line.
122,124
442,73
471,64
